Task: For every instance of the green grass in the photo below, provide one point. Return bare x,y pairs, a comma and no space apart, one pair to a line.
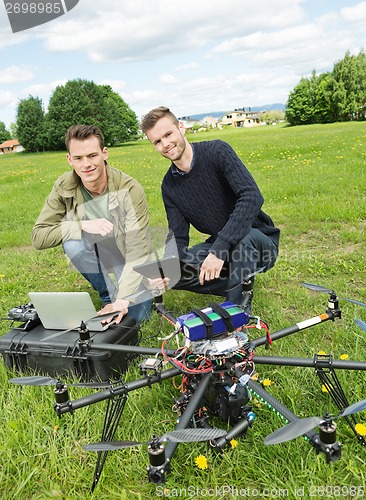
313,181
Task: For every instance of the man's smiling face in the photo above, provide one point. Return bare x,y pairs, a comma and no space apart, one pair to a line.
168,139
88,159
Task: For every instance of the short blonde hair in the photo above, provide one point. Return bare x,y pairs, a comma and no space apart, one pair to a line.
153,116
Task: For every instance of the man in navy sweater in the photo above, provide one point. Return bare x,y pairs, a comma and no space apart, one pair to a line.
208,187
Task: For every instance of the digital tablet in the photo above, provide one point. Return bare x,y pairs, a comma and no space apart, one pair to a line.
167,267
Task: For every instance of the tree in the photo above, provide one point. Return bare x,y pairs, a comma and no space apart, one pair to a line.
13,130
350,89
120,123
4,134
336,96
82,101
274,116
30,124
76,102
299,107
323,100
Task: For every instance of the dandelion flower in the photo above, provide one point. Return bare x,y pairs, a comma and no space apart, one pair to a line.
233,443
344,356
325,388
267,382
361,429
201,462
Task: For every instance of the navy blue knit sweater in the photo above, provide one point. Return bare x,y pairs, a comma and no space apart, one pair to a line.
219,197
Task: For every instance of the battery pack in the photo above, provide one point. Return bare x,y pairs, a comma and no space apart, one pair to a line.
213,320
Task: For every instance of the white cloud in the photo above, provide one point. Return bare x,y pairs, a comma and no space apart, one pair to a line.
192,56
355,14
187,67
167,79
14,74
117,85
7,99
144,30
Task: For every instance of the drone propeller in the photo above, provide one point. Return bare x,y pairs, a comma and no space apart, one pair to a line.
322,289
303,425
361,324
38,380
178,436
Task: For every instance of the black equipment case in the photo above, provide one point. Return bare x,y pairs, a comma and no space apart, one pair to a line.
53,353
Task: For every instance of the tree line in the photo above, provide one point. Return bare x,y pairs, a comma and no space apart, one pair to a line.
339,95
78,101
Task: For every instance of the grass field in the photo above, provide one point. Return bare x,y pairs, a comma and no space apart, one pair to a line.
313,180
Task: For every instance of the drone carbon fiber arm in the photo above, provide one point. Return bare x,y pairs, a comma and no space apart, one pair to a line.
70,406
193,405
330,314
331,451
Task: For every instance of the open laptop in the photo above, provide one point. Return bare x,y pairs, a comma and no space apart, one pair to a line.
66,310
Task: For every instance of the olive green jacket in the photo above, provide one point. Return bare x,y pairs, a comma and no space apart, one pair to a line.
61,215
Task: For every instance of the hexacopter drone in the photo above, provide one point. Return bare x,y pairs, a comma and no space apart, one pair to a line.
216,359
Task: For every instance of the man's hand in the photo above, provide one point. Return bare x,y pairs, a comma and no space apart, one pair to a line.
160,283
211,268
97,226
120,306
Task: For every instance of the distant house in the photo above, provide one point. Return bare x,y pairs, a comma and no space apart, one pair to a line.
240,118
11,146
209,121
189,122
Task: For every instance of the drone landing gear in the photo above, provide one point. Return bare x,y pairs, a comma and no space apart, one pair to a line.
112,418
328,377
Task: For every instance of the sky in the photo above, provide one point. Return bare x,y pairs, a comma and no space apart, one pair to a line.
194,56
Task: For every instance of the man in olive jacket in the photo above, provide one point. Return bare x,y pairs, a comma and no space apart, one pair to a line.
99,215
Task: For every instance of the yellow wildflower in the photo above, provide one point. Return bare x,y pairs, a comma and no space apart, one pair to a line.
325,388
201,462
361,429
233,443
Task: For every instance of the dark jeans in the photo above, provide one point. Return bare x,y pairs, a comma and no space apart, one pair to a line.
96,260
252,253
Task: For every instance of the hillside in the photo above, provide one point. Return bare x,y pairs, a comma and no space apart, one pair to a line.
219,114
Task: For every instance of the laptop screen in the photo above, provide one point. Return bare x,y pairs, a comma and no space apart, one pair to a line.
65,310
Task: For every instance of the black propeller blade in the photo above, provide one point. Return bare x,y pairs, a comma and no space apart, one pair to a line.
355,408
303,425
319,288
293,430
38,380
177,436
34,380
